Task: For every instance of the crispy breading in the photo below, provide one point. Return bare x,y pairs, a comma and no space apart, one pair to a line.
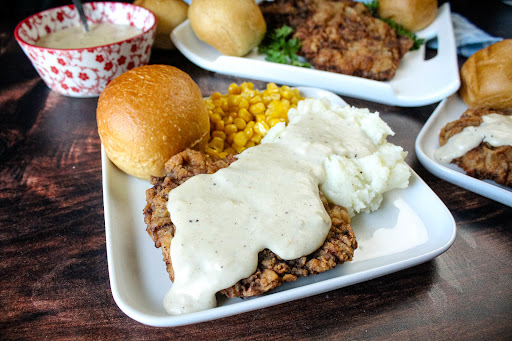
272,271
483,161
341,36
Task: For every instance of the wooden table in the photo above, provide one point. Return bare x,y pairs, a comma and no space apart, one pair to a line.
54,280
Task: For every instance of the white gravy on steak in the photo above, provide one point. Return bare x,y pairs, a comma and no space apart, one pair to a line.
495,129
267,199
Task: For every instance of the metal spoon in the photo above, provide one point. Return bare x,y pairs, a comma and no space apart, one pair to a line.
80,10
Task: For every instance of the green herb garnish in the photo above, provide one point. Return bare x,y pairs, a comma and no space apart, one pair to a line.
417,42
399,29
281,48
373,7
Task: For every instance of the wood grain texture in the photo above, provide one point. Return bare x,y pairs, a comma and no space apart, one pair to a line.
54,280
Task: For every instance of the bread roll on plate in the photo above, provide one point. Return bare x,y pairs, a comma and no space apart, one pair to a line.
413,15
233,27
169,14
148,114
486,77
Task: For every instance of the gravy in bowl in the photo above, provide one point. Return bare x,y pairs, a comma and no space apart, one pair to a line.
99,34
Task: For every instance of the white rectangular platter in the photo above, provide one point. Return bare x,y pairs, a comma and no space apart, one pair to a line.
412,227
427,143
417,81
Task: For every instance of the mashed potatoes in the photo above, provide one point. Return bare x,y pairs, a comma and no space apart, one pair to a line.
356,182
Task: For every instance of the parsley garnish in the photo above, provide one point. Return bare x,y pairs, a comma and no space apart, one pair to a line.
399,29
280,48
373,7
405,32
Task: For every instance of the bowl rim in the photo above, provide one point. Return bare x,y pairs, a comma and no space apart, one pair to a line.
22,41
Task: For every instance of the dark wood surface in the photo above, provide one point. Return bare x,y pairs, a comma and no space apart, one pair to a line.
54,280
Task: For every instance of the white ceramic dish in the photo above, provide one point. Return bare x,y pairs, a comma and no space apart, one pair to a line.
417,81
427,143
412,227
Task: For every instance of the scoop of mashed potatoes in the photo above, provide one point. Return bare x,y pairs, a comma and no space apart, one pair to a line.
356,182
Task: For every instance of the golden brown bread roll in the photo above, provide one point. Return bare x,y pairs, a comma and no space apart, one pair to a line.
233,27
486,77
148,114
169,14
413,15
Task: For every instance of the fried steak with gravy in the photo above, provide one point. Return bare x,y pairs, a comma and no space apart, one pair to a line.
483,161
272,271
340,36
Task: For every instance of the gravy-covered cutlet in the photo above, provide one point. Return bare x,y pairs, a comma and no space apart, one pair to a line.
271,271
484,161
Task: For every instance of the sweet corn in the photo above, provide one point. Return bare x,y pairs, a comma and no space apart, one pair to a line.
261,128
239,149
240,118
248,131
245,115
256,138
272,122
219,126
261,117
230,128
210,151
240,139
215,118
257,108
239,123
217,143
219,133
234,89
230,150
228,120
230,138
244,103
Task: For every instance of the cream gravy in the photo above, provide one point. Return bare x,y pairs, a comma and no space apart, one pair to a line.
495,129
99,34
267,199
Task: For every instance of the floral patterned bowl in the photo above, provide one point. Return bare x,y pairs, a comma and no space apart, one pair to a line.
84,72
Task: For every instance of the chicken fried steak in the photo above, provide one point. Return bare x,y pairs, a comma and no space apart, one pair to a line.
272,271
483,161
341,36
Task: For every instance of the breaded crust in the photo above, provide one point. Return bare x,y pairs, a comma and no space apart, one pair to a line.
272,271
483,161
341,36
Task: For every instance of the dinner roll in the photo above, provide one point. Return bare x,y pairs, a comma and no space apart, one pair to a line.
169,14
233,27
148,114
413,15
486,77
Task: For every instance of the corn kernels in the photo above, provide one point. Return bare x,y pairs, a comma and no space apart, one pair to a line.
240,118
240,139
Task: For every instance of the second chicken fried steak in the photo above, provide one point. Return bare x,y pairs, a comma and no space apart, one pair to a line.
483,161
341,36
272,271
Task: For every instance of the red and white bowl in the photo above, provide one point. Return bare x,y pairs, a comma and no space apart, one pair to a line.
85,72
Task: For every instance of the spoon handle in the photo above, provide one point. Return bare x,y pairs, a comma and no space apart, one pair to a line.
81,13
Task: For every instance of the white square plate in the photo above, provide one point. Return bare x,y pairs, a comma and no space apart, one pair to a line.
417,81
412,227
427,143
